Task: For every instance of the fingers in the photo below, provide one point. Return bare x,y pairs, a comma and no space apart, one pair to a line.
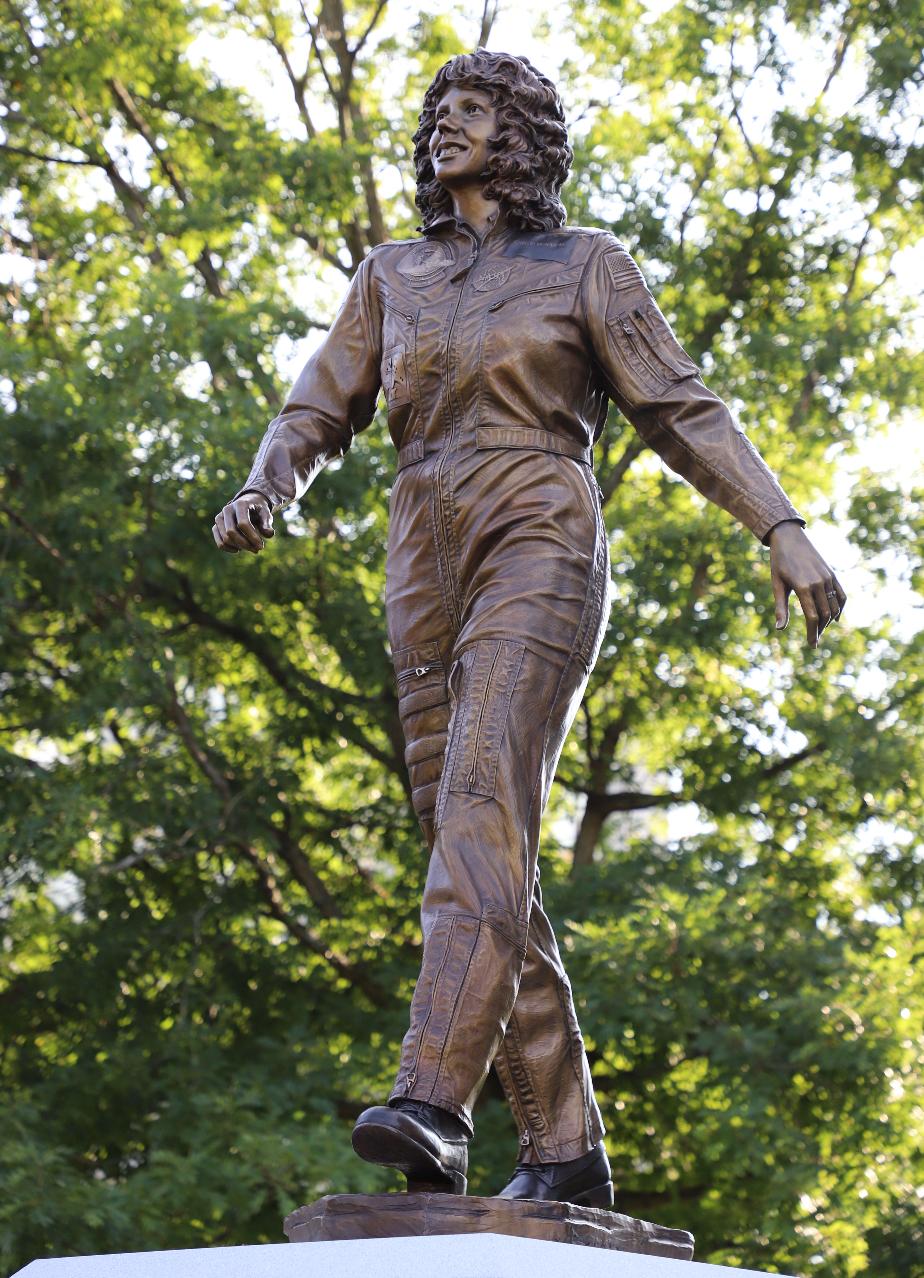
797,566
781,599
837,597
234,528
220,539
812,621
822,605
227,538
262,517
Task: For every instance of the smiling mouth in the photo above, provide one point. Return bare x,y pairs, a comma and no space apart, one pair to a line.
448,150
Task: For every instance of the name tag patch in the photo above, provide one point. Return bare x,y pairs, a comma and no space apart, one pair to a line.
542,247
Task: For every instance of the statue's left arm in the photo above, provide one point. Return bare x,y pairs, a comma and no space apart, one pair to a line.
657,386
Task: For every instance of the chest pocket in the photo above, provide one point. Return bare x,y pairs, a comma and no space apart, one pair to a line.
399,365
527,339
531,291
650,357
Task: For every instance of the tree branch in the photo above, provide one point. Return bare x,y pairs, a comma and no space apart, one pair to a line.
840,52
197,753
48,159
354,973
222,782
370,27
39,538
488,18
293,682
302,872
698,185
203,263
611,481
297,82
601,804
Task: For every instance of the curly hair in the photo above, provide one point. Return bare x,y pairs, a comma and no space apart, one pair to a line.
528,160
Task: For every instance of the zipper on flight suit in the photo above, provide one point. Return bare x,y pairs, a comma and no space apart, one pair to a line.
417,672
645,350
440,512
526,292
632,338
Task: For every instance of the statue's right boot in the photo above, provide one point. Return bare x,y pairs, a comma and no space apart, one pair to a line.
428,1144
584,1181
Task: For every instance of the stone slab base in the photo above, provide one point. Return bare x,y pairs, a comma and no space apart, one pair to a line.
343,1217
463,1256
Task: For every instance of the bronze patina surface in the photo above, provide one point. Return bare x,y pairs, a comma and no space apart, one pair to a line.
498,337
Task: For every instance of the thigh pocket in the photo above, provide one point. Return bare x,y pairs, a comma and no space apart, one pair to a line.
423,706
489,674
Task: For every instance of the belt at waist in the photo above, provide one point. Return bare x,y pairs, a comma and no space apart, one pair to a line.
529,437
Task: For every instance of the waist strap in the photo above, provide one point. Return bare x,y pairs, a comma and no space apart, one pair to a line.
410,453
531,437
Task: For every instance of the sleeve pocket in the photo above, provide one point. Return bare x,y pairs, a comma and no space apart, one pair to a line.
649,357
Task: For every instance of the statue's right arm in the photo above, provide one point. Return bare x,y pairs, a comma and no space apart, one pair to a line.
333,398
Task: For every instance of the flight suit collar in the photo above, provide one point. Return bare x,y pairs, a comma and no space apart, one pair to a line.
449,222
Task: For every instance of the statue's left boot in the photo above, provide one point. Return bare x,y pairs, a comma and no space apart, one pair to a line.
584,1181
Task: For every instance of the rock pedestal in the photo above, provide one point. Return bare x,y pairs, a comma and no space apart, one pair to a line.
347,1217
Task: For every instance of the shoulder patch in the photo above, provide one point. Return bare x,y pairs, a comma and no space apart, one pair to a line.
623,271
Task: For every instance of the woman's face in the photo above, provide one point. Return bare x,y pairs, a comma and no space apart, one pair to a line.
465,123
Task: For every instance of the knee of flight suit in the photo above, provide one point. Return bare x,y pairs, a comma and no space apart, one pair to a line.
448,919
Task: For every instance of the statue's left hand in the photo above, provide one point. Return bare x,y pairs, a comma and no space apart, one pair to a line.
795,565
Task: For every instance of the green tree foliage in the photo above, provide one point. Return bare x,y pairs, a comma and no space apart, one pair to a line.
210,872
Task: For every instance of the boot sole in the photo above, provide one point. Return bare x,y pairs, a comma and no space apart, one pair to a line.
376,1143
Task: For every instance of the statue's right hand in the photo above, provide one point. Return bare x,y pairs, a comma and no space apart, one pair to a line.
243,524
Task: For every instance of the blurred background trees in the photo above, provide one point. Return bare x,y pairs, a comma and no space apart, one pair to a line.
210,871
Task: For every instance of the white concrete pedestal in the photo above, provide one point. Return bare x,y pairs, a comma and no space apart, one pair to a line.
448,1256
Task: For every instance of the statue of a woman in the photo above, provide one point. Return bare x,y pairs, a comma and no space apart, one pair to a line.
498,338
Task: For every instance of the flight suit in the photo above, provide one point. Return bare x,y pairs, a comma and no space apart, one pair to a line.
497,359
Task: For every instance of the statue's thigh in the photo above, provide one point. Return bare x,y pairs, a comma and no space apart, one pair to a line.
424,708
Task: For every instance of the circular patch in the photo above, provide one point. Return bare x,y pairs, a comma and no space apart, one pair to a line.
490,278
425,261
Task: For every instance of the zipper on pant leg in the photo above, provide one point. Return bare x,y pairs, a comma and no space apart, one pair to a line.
411,1076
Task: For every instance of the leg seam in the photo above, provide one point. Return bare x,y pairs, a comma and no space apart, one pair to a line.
455,1007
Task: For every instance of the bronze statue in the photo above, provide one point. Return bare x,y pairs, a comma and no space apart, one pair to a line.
498,338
